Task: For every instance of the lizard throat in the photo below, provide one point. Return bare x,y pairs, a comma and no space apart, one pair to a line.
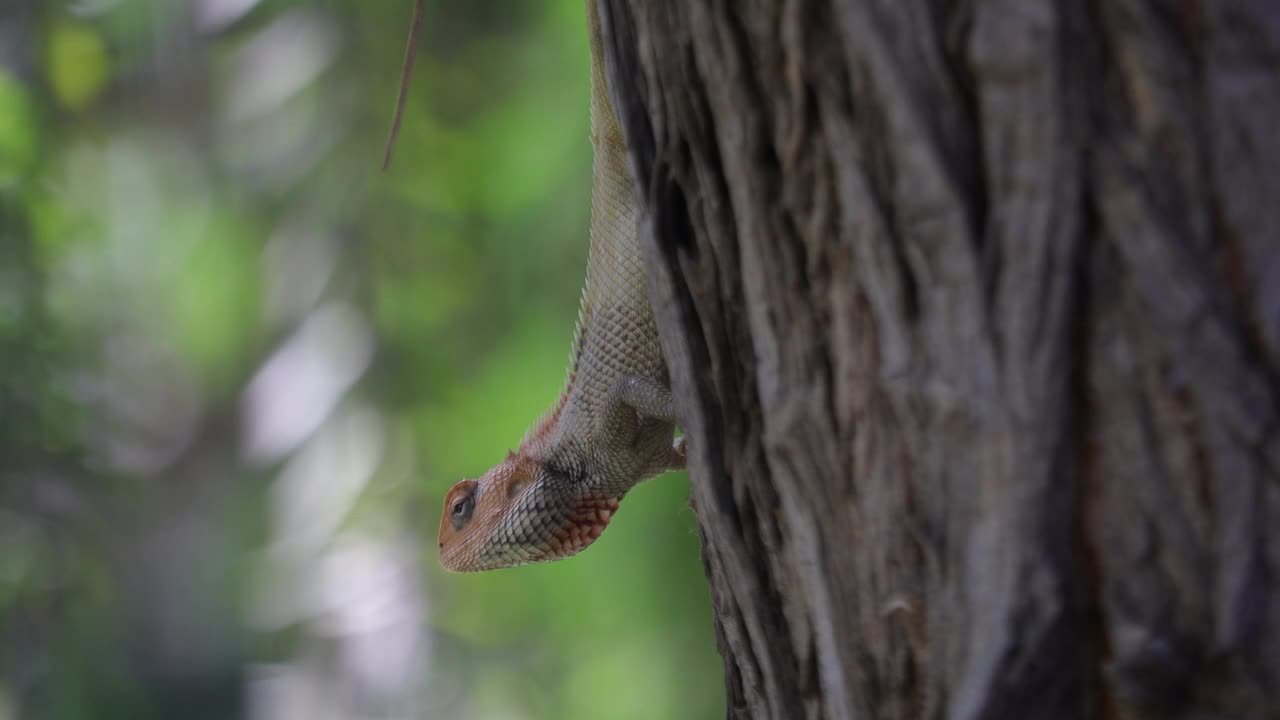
581,527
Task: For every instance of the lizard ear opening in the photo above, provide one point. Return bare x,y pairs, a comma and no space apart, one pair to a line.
518,483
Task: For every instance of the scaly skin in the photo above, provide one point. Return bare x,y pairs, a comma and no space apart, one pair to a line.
613,425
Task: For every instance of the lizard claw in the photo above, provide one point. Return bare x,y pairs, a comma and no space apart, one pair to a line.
679,454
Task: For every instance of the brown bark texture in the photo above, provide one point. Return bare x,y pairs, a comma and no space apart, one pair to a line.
972,309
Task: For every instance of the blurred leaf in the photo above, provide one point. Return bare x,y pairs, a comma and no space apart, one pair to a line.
214,303
19,131
79,66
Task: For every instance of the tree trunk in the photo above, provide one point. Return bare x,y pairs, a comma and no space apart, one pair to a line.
973,312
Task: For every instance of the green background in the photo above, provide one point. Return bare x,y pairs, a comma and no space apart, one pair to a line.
240,366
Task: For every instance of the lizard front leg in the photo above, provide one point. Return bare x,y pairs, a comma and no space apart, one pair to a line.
632,398
646,397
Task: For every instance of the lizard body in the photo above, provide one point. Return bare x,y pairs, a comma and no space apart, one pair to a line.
613,425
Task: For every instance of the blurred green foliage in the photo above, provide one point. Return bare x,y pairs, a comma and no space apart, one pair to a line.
239,367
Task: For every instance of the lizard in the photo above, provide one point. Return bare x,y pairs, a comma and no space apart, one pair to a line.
614,423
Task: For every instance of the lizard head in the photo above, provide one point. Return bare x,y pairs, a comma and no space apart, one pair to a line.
521,511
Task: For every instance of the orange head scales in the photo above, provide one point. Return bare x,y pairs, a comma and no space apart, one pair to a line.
520,511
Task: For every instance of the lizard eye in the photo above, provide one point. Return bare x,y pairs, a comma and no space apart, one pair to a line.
460,511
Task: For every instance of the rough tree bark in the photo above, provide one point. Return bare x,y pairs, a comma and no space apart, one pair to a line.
973,311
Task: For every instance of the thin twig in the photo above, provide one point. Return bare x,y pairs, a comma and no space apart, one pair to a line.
405,74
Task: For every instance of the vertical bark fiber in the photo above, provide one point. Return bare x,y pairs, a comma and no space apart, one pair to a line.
973,311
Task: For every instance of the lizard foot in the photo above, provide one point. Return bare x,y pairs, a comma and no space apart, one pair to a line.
679,454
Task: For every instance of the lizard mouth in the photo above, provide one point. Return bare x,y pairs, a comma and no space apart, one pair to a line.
581,527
